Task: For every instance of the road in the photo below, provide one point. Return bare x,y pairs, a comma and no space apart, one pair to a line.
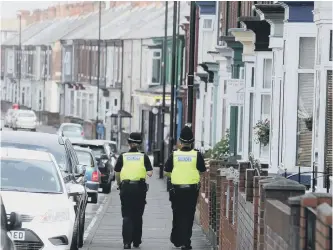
93,210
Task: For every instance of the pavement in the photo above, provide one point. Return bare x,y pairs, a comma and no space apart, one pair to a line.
157,223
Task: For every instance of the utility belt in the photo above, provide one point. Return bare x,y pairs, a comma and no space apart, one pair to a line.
185,186
141,182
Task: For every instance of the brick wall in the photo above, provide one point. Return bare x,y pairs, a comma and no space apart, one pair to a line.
260,211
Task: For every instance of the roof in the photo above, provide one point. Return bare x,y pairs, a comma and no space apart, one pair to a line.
87,142
32,138
119,23
78,148
24,154
28,33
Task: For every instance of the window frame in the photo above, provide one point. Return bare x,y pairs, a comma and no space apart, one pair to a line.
152,58
203,23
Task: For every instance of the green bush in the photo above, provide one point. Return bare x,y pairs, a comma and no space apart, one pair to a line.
221,150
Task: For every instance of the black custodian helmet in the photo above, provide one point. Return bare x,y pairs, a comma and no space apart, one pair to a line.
186,135
135,138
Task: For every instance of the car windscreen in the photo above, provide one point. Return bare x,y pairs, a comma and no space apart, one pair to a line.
72,131
57,150
113,148
25,175
97,150
84,158
26,115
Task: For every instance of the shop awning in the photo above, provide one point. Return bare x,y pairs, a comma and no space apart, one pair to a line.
153,96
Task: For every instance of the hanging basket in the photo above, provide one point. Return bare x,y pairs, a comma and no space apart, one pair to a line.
308,123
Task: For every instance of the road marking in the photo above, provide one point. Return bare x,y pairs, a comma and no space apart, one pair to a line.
99,210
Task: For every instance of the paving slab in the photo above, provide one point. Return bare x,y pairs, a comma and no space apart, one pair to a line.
157,223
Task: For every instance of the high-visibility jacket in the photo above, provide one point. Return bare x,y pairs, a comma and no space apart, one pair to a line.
185,170
133,167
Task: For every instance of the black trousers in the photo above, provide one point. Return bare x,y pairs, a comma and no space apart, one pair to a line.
183,204
133,201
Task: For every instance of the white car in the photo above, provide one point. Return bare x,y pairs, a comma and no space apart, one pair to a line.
32,186
71,130
24,119
9,118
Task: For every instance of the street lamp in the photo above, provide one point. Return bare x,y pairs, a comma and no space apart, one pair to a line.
98,61
19,14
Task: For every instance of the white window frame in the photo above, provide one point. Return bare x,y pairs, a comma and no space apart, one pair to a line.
151,59
211,28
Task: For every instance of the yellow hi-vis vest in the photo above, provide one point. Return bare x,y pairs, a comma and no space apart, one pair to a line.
185,170
133,167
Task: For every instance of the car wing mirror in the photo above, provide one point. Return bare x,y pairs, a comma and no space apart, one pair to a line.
75,190
104,157
80,170
15,221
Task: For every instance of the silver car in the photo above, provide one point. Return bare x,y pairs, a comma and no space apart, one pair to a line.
24,119
71,130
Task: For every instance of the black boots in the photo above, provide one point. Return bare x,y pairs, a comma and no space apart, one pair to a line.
186,247
127,246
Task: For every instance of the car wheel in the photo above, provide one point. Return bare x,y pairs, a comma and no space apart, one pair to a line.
94,198
107,188
14,128
33,130
83,219
76,236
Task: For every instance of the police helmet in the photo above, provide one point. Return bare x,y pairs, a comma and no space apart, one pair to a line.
135,138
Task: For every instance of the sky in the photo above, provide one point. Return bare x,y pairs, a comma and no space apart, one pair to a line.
9,8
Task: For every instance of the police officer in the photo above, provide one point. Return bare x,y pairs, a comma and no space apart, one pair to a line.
184,167
131,170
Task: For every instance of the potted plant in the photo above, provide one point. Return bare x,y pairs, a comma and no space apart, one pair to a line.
261,130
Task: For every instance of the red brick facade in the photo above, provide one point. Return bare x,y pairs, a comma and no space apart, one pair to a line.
261,212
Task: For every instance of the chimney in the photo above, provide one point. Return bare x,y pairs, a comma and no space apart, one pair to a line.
51,12
87,7
25,17
36,15
63,10
44,15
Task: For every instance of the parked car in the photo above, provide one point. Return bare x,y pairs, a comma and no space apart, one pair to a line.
93,175
9,118
71,130
9,223
24,119
32,185
103,157
65,156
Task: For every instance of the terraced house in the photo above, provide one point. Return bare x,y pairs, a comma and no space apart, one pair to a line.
272,87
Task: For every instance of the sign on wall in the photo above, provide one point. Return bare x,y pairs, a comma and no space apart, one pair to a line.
235,92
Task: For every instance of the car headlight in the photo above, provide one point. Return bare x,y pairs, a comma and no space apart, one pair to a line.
54,216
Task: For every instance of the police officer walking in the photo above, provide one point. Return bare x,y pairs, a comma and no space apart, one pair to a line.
184,167
131,170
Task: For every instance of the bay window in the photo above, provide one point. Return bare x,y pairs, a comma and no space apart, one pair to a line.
305,101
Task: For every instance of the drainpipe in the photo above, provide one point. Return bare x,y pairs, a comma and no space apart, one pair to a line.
176,78
227,19
120,121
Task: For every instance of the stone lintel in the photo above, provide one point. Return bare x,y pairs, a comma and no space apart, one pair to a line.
246,37
224,51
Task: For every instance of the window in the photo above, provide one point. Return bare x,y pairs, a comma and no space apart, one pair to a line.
265,114
267,79
84,105
115,102
252,77
251,121
307,52
120,69
78,105
107,105
91,106
241,73
240,129
156,67
67,63
331,45
304,121
207,24
328,125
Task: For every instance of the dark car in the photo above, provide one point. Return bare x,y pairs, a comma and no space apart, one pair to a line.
65,155
103,156
7,224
